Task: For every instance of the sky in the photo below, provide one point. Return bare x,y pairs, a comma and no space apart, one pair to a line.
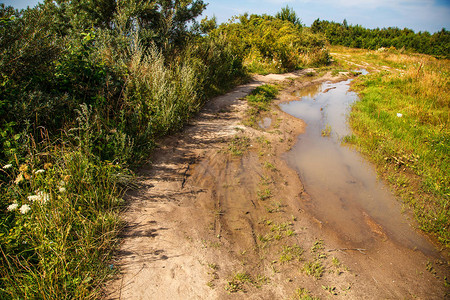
419,15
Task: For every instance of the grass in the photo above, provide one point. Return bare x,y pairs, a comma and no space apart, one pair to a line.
241,280
259,101
290,253
402,124
314,269
238,145
54,247
264,194
303,294
327,131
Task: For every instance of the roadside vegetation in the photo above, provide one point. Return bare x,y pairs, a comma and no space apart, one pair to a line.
402,124
274,44
86,91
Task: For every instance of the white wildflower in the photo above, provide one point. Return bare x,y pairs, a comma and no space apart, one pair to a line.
7,166
34,198
399,115
62,189
13,207
40,196
39,171
24,209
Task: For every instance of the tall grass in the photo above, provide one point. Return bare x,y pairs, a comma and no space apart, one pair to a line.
59,222
60,191
402,124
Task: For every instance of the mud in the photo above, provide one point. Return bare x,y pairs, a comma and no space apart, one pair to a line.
207,224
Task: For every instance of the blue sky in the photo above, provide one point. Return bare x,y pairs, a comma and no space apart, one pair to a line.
419,15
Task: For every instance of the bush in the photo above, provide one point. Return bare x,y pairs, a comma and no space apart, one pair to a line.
273,45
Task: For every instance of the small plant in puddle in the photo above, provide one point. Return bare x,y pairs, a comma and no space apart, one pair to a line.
327,131
314,268
290,253
303,294
238,145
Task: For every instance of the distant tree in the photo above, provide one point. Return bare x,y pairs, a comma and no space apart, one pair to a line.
288,14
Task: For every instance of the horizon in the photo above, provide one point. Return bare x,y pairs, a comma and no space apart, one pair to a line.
418,15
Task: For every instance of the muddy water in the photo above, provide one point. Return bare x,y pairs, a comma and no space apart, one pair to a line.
346,196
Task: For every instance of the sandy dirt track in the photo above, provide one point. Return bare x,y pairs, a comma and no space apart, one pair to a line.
207,224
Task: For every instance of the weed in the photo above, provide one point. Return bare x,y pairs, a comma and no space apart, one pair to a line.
327,131
263,141
290,253
237,283
336,262
270,166
430,268
290,232
303,294
238,145
315,269
240,280
318,245
264,194
331,289
275,207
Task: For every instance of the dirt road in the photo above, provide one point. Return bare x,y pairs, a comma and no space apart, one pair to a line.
220,215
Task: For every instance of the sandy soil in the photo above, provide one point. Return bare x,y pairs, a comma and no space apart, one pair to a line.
207,224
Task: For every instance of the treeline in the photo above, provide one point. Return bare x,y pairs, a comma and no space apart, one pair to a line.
356,36
87,88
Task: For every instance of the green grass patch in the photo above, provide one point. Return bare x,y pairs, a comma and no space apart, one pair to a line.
290,253
241,280
303,294
238,145
314,269
259,101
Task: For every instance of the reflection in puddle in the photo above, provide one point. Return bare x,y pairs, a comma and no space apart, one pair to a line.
345,192
265,123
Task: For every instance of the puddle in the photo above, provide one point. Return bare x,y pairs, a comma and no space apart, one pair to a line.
345,193
265,123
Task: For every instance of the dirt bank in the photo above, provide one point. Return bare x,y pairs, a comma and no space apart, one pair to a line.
210,222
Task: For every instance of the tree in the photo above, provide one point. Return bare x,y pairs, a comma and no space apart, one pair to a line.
288,14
